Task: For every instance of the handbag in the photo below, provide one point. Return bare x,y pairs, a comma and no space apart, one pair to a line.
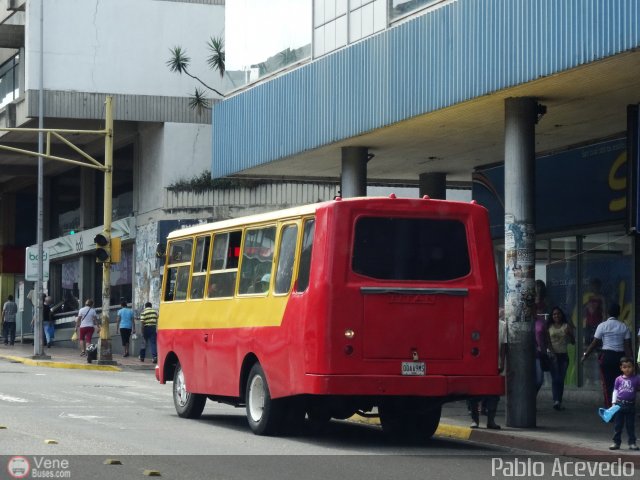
607,413
74,337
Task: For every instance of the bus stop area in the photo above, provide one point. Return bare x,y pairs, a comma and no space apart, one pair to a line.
576,431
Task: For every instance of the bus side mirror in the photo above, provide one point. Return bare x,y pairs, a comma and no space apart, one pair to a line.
160,250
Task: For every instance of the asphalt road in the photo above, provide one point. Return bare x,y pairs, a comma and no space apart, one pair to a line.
88,417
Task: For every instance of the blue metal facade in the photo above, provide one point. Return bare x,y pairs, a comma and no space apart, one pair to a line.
455,53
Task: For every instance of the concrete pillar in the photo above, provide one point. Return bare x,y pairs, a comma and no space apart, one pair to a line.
354,172
519,241
434,185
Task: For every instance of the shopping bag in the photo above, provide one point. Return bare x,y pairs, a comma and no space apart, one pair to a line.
607,413
74,337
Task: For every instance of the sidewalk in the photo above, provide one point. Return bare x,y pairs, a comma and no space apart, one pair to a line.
577,431
64,357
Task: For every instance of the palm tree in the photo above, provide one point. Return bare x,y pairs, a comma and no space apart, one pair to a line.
179,62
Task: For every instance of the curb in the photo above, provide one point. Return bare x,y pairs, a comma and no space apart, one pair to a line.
550,447
53,364
444,430
521,442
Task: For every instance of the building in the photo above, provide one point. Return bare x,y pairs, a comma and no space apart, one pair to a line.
162,147
531,104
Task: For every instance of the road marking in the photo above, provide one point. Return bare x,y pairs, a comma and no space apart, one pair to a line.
79,417
7,398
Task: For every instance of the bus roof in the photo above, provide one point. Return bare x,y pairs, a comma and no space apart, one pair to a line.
284,214
240,221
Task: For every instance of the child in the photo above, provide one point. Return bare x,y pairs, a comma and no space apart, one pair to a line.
624,395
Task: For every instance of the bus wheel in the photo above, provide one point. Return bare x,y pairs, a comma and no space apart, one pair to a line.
188,405
410,424
264,414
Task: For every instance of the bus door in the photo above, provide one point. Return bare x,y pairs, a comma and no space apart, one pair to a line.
221,286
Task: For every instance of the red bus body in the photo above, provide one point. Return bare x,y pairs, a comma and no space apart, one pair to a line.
345,338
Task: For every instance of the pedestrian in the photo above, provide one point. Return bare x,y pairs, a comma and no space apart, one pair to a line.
615,339
86,323
624,395
149,323
559,335
489,403
125,326
9,311
48,324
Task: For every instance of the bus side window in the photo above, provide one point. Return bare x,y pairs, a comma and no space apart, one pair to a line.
178,272
224,264
286,257
200,262
257,260
182,283
170,286
305,256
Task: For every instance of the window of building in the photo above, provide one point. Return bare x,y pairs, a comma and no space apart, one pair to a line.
69,292
265,37
9,81
401,8
257,260
286,258
366,18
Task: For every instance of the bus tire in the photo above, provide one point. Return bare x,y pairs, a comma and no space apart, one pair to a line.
265,416
188,405
400,424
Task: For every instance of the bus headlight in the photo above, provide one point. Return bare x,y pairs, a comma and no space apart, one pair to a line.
348,333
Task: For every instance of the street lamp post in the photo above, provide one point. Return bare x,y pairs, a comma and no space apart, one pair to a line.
104,347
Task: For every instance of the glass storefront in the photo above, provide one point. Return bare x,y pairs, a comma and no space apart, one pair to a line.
583,275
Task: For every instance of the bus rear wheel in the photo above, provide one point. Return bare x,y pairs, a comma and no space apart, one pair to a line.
265,415
188,405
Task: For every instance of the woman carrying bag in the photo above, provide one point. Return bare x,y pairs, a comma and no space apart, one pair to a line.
86,323
560,335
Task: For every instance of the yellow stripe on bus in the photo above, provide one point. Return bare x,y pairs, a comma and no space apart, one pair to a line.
223,313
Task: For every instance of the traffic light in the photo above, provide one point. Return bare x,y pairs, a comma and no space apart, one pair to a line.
107,250
115,250
103,248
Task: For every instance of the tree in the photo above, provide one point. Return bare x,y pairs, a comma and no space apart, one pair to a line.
179,62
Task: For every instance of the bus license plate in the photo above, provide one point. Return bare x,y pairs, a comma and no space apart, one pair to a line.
413,368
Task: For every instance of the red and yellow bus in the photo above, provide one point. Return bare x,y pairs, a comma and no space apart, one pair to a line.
363,305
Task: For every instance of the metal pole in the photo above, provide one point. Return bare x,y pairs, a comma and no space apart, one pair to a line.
37,324
104,347
519,248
